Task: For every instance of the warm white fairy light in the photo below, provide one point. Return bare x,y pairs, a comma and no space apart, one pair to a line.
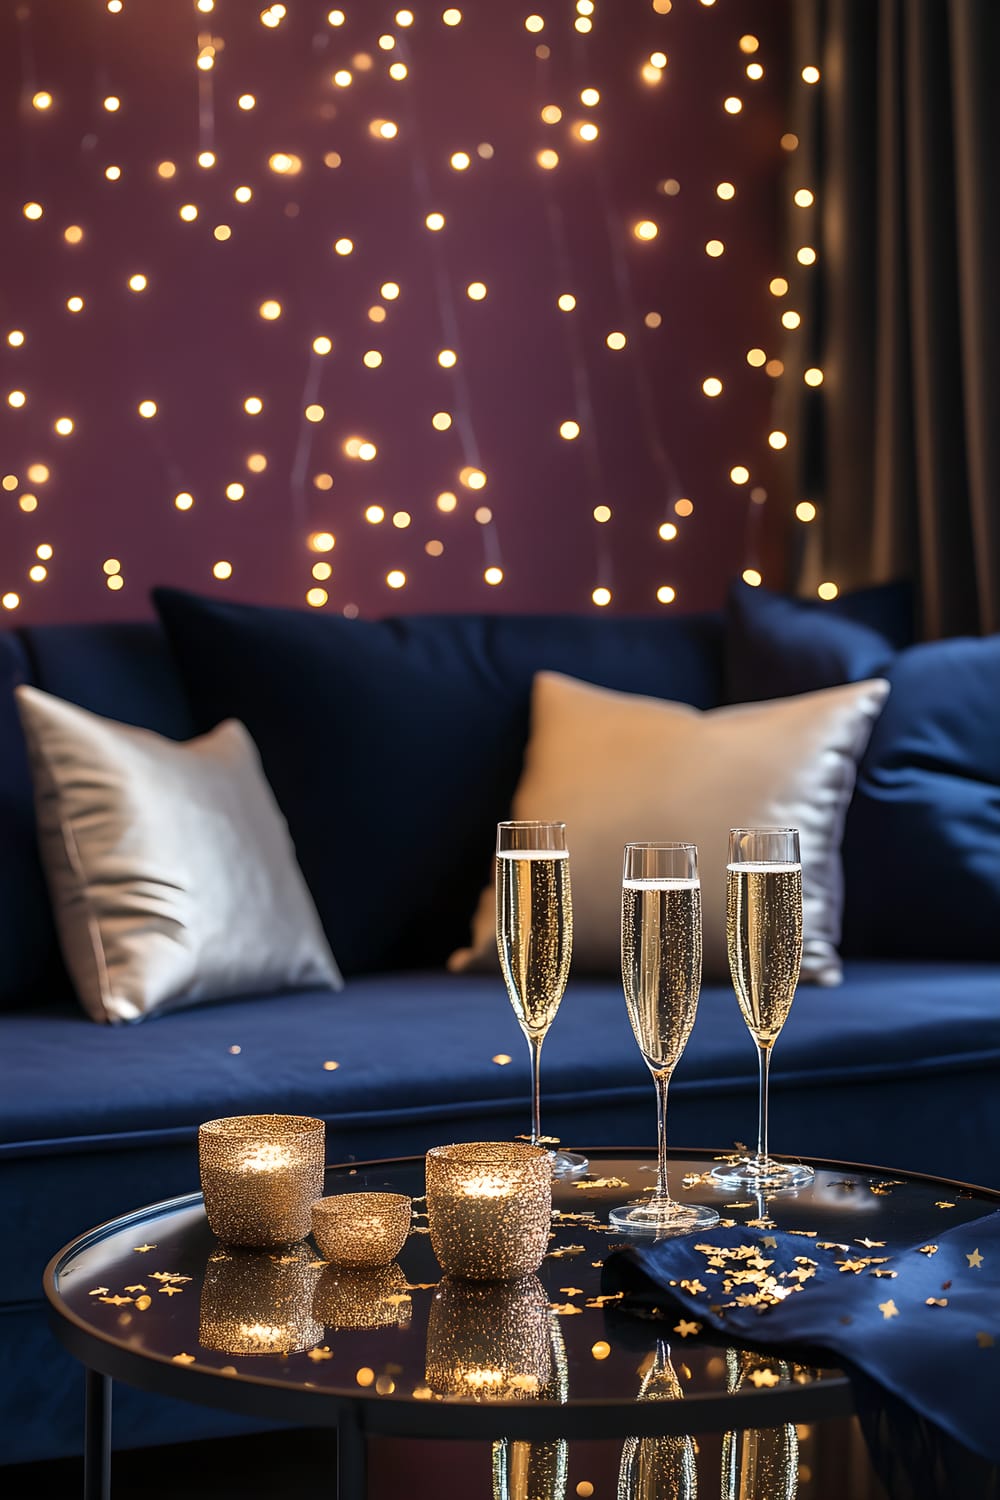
363,68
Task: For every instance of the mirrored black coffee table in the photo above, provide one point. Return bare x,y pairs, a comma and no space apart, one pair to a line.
153,1299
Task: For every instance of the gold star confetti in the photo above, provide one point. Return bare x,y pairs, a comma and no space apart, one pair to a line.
871,1244
174,1276
694,1287
143,1249
944,1205
604,1298
984,1340
116,1301
321,1352
975,1260
137,1288
890,1274
99,1291
748,1204
937,1301
764,1223
564,1309
183,1359
572,1291
809,1234
764,1377
769,1242
142,1303
888,1309
170,1291
928,1250
831,1245
684,1328
561,1250
601,1182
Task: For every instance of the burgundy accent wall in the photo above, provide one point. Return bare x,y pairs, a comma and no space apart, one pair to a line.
194,342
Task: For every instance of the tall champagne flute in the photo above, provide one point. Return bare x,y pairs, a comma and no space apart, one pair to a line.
764,938
661,974
659,1468
535,942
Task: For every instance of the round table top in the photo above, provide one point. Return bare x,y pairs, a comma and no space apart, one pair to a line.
154,1300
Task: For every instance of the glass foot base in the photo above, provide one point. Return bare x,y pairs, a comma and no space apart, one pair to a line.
662,1219
568,1164
762,1174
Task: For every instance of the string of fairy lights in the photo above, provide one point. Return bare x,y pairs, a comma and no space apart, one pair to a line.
560,118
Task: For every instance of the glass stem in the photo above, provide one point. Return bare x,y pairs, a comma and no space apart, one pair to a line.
662,1081
535,1044
764,1066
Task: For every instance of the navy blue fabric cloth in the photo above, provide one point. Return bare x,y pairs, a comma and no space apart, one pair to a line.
28,963
776,646
922,841
940,1358
394,747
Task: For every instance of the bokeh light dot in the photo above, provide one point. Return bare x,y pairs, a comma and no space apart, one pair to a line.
222,570
805,511
601,597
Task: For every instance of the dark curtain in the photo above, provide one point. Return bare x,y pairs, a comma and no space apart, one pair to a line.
900,445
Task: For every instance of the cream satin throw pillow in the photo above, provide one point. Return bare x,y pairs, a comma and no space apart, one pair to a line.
616,767
172,873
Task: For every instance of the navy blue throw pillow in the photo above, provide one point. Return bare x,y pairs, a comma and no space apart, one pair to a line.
394,746
776,646
922,841
29,952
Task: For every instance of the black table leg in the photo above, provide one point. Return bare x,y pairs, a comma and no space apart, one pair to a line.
352,1463
97,1438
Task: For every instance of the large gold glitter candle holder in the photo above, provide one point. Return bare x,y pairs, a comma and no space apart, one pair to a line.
261,1175
253,1302
489,1341
489,1208
363,1299
358,1230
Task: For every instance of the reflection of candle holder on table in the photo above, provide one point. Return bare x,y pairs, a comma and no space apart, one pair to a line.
260,1175
760,1463
658,1468
255,1303
362,1230
489,1208
363,1299
489,1342
537,1470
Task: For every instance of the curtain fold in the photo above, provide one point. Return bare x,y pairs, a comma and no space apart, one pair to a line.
900,446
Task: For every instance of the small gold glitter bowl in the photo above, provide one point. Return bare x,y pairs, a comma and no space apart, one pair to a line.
255,1303
260,1176
361,1230
379,1298
489,1208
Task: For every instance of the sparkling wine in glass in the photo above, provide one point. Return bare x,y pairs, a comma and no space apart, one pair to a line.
764,937
535,943
661,974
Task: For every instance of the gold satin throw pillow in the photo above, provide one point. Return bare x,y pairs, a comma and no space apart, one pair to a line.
616,767
171,870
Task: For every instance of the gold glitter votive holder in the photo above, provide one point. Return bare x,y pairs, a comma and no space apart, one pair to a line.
489,1208
489,1341
363,1299
253,1302
260,1176
358,1230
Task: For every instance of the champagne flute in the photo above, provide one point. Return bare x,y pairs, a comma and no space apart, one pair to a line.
764,937
661,974
535,942
759,1463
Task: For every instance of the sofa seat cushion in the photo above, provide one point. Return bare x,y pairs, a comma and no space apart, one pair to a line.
420,1046
399,742
898,1066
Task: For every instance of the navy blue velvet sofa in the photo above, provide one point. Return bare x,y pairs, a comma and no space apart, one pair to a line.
900,1065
